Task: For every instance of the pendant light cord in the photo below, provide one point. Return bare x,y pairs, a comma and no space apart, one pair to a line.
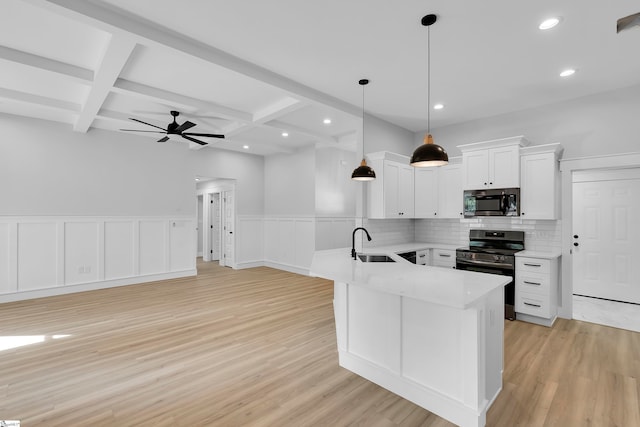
363,121
429,80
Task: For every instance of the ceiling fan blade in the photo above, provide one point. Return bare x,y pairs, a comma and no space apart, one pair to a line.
209,135
186,125
148,124
194,140
136,130
163,139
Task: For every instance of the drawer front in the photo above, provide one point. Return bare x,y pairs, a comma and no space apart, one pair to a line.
444,258
533,265
422,257
533,283
535,305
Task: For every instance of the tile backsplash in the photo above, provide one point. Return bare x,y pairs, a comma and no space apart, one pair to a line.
540,235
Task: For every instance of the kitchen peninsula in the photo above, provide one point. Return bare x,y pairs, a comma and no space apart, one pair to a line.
431,335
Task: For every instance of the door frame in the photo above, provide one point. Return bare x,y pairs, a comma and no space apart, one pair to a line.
567,168
208,191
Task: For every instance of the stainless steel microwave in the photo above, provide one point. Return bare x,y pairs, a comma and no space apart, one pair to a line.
494,202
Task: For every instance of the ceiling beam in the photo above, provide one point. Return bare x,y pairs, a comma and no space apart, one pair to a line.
127,87
113,19
113,61
42,101
83,75
277,109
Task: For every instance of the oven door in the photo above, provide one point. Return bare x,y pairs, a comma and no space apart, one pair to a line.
501,269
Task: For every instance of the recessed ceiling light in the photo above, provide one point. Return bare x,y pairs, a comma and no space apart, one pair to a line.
327,121
568,72
246,147
438,106
285,134
197,179
547,24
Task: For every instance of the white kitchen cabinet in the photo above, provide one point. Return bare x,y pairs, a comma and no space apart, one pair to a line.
536,289
438,191
426,192
492,164
450,190
391,194
539,191
422,257
443,258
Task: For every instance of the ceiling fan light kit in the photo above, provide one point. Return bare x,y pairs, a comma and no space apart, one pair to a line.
174,128
363,172
429,154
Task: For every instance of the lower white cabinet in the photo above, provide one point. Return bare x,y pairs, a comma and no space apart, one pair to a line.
422,257
536,289
443,258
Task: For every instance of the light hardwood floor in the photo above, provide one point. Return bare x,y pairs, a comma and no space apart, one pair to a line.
257,348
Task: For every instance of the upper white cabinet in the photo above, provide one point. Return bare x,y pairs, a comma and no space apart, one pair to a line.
539,191
438,191
492,164
391,194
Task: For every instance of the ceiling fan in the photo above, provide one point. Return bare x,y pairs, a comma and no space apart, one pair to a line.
174,128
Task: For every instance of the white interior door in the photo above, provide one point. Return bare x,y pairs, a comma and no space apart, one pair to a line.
606,232
200,226
228,219
214,226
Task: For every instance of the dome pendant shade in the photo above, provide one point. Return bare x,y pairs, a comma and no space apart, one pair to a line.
363,172
429,154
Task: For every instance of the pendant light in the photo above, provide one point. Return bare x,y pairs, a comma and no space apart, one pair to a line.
363,172
429,154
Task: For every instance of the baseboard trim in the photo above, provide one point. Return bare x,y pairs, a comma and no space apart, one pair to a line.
69,289
287,267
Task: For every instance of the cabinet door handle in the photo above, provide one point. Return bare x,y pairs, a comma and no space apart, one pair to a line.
532,305
532,283
532,265
422,256
445,255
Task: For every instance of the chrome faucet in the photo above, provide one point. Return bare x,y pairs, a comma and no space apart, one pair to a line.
353,240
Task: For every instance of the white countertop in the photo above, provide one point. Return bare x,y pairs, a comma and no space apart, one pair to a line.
443,286
538,254
413,246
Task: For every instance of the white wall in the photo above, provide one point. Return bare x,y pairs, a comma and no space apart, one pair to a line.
47,169
334,190
383,136
246,170
605,123
289,183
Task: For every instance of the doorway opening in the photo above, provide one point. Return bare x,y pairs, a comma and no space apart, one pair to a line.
605,232
218,224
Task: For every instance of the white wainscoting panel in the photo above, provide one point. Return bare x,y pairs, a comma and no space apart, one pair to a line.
119,250
332,233
37,255
81,252
250,235
289,243
181,236
304,233
43,256
5,282
153,239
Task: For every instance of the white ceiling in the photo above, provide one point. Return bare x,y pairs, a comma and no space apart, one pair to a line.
253,69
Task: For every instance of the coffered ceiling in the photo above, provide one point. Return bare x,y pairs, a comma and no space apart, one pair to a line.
254,70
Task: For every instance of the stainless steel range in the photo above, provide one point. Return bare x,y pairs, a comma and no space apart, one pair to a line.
492,251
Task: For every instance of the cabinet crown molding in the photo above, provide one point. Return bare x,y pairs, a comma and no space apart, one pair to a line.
494,143
555,148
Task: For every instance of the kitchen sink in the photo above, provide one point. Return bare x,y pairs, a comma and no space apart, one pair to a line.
375,258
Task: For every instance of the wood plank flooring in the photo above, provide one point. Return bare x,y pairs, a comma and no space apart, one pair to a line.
257,347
